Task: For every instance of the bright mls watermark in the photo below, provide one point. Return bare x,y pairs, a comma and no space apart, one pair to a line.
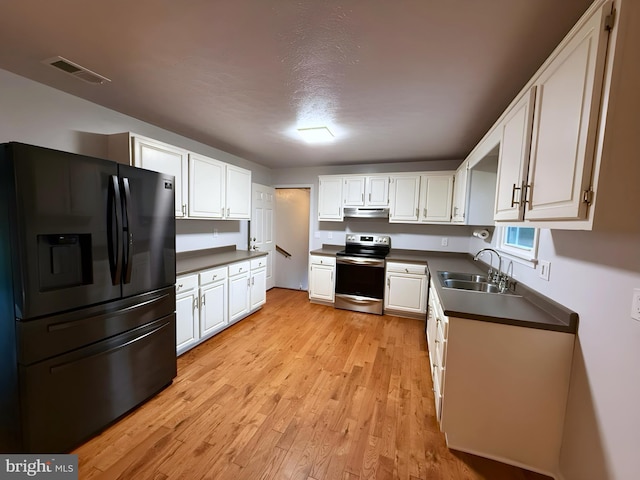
51,467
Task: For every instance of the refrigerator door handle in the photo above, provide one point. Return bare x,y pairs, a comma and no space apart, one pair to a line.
114,232
128,235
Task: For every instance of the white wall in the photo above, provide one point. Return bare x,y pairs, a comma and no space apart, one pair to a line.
34,113
594,274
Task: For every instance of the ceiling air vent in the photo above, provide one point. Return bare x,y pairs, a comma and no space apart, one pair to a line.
76,70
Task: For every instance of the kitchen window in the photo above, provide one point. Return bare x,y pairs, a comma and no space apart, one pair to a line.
519,242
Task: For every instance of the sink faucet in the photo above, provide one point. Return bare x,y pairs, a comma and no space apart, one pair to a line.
494,275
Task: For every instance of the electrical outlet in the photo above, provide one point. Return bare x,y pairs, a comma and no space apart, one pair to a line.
445,241
544,268
635,304
330,235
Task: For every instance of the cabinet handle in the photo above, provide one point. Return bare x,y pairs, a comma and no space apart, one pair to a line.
184,210
417,212
180,285
455,211
195,303
513,195
248,282
253,280
424,212
332,276
204,301
389,282
228,211
406,270
369,197
525,193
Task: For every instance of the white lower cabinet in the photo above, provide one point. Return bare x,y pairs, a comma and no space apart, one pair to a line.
187,312
500,390
210,300
406,289
322,279
239,283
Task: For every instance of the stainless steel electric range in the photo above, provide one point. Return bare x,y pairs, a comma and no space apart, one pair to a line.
360,273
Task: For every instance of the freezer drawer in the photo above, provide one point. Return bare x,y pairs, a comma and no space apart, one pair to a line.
67,399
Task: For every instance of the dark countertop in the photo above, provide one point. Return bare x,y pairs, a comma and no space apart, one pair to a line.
527,308
192,261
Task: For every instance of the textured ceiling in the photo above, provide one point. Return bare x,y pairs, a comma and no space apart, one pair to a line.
395,80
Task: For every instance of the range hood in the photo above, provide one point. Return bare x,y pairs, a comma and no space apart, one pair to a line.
361,212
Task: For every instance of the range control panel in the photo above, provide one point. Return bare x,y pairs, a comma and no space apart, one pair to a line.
368,240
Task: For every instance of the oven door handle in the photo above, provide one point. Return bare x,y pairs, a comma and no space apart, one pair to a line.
366,262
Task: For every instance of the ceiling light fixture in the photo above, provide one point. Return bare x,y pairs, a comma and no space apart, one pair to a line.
316,134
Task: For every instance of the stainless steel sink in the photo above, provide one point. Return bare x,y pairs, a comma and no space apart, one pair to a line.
471,285
469,277
469,281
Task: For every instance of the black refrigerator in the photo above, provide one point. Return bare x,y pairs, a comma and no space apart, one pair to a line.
87,300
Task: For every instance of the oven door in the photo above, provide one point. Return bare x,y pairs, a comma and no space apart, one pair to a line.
360,284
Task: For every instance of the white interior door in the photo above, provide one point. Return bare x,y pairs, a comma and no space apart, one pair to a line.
263,226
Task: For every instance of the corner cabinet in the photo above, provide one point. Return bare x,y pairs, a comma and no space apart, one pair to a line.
205,188
322,275
460,193
495,394
405,291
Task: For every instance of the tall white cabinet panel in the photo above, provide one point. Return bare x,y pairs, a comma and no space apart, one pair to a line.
514,159
565,121
164,158
460,184
206,187
330,198
239,284
404,198
187,312
238,193
436,195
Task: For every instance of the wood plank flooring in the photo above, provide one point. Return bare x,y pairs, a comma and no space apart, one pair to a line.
295,391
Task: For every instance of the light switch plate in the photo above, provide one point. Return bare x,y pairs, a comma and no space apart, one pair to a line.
635,304
543,269
445,242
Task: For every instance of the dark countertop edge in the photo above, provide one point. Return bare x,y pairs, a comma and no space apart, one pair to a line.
195,260
564,320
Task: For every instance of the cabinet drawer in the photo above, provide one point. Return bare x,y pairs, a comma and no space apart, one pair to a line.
260,262
240,267
212,275
321,260
406,268
186,283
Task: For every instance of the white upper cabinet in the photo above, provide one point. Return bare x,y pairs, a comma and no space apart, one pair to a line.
206,187
549,135
330,198
160,157
365,191
565,125
514,159
436,195
404,198
238,193
461,177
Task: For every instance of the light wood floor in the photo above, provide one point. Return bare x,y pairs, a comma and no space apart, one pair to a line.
296,391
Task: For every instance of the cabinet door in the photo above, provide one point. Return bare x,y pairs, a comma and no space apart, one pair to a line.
163,158
565,125
460,184
213,308
187,332
321,282
436,196
258,288
206,187
238,296
513,159
406,292
377,191
238,193
330,198
405,196
353,191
